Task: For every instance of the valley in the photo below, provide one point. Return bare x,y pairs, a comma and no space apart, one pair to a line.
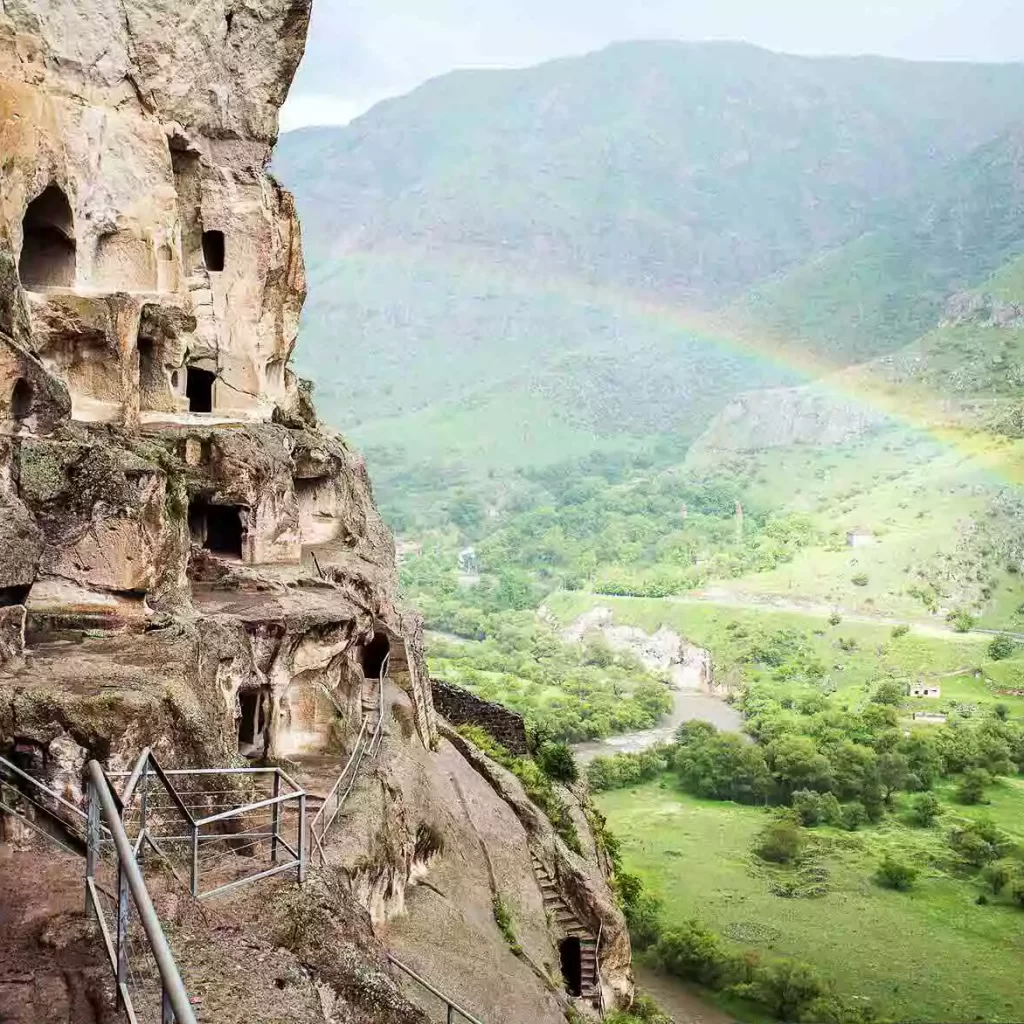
722,359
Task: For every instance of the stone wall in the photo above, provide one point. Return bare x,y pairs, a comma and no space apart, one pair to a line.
461,707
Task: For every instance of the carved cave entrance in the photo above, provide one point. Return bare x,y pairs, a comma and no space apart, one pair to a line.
48,245
252,721
213,250
570,954
373,655
21,400
218,528
199,389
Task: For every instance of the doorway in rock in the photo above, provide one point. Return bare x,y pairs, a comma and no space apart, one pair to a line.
374,654
213,250
572,965
218,528
21,400
199,389
252,721
48,244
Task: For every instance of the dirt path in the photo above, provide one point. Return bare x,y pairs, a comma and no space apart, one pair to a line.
681,1003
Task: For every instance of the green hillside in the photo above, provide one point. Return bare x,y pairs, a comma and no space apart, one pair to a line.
509,268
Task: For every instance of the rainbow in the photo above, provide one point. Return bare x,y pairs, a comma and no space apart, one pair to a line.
911,407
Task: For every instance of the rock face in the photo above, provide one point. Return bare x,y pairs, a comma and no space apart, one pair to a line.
187,560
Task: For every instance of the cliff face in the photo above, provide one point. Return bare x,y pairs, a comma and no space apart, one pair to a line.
187,560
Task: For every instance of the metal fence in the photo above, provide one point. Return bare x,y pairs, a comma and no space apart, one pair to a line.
453,1013
367,744
216,828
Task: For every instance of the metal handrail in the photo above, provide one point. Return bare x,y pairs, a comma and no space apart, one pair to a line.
597,967
453,1008
321,823
175,1002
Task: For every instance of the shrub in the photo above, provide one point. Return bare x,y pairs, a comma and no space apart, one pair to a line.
925,810
890,693
1001,647
834,619
998,875
787,988
961,620
854,815
503,919
979,843
1001,711
901,630
781,842
972,786
895,874
692,953
1017,892
817,808
558,762
860,580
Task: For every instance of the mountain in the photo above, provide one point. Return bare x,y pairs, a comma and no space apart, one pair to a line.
595,255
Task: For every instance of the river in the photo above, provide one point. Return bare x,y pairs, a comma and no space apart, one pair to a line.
687,705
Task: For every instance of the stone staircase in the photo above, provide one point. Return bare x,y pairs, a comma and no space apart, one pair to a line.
570,925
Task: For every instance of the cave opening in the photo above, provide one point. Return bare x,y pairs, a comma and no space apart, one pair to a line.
570,954
48,244
14,595
373,656
218,528
213,250
252,721
199,389
21,400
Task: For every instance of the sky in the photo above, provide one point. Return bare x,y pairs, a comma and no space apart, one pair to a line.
362,51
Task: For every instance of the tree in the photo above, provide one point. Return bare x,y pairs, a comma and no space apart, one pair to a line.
893,771
890,693
787,988
558,762
961,620
1001,647
998,875
925,810
854,815
797,763
972,786
692,953
1001,711
979,842
780,842
895,874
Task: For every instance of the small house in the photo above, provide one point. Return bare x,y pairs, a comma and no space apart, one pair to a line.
859,538
925,690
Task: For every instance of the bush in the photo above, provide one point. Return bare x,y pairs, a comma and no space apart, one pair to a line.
692,953
787,988
1017,892
558,762
781,842
817,808
1001,647
998,875
895,874
961,620
860,580
642,910
972,786
854,815
834,619
901,630
925,810
503,919
979,843
889,693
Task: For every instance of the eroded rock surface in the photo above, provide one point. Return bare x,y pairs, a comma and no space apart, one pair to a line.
188,561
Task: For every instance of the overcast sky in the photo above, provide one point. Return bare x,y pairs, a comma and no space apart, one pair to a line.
361,51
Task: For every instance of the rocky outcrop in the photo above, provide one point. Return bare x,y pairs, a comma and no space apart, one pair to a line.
188,561
982,310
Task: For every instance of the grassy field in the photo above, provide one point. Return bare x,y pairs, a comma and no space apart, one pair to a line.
926,955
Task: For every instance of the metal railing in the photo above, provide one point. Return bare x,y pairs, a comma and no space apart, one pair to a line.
216,828
454,1014
333,803
131,932
597,972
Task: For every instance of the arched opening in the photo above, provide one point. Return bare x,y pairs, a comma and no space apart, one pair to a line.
252,721
213,250
48,243
218,528
199,389
569,953
373,655
21,400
